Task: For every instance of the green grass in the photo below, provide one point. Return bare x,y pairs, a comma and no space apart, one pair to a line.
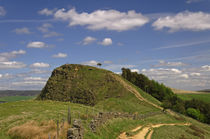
17,113
204,97
16,98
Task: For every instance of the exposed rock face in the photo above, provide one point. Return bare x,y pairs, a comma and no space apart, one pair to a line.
81,84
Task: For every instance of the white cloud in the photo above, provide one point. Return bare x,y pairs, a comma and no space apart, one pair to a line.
88,40
118,67
12,65
194,43
46,12
90,63
170,64
186,76
35,79
23,30
36,44
51,34
176,71
106,42
103,19
60,55
195,74
45,27
108,62
143,70
47,33
39,71
40,65
162,71
206,67
1,76
194,21
27,83
135,70
2,11
193,1
6,56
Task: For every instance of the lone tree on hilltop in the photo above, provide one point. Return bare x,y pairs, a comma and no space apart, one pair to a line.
99,64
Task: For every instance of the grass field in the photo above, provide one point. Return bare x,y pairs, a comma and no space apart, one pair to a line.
204,97
14,114
16,98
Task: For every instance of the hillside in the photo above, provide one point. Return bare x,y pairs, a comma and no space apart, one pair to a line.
82,84
112,94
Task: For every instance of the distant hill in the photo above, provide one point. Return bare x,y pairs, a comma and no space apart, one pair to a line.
82,84
179,91
205,90
5,93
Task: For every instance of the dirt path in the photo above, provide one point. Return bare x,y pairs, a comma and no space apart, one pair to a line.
148,129
138,95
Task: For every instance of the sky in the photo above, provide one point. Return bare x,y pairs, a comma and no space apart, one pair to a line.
169,41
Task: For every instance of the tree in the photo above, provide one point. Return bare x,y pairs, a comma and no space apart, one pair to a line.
99,64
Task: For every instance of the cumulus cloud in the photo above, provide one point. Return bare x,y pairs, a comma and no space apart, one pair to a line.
186,76
23,30
36,44
35,79
161,71
39,71
12,65
28,83
103,19
88,40
46,12
6,56
40,65
118,67
206,67
195,74
45,29
2,11
106,42
135,70
60,55
108,62
169,64
90,63
194,21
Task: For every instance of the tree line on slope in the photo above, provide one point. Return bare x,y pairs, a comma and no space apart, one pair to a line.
194,108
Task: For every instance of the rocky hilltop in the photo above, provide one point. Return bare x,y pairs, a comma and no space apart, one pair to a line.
82,84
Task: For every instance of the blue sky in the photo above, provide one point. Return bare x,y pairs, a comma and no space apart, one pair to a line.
169,41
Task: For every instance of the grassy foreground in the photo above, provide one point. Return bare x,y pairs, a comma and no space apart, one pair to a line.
15,117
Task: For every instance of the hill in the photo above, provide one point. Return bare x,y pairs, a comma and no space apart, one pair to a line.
113,96
179,91
6,93
205,90
82,84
